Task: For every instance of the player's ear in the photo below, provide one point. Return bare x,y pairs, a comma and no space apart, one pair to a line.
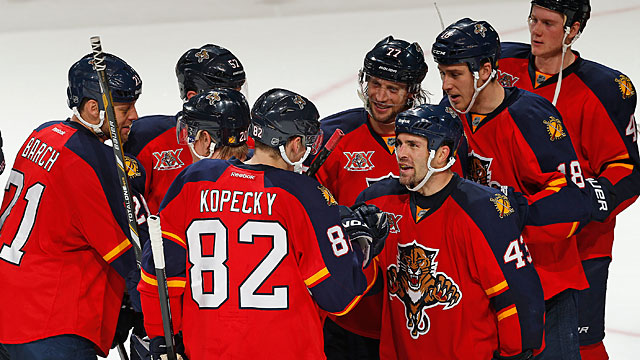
573,32
91,111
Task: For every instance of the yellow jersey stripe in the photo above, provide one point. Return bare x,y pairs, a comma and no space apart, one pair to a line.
316,277
174,237
350,306
573,229
621,157
511,310
170,283
554,189
626,166
558,182
117,250
496,288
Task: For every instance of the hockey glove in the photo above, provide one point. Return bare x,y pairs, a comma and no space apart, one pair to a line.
2,163
366,225
125,322
525,355
602,197
158,349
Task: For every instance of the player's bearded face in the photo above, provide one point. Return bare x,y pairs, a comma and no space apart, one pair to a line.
412,153
457,83
546,28
126,114
386,99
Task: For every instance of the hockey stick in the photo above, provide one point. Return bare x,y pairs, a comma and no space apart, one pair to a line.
107,101
324,153
122,351
155,235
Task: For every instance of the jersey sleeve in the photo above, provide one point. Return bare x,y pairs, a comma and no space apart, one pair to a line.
612,145
502,265
549,172
339,282
175,253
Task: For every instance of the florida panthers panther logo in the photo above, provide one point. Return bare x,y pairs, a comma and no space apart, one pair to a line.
359,160
415,282
479,169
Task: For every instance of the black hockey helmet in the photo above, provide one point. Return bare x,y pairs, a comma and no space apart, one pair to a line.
280,114
396,60
207,67
223,113
124,82
467,41
439,124
574,10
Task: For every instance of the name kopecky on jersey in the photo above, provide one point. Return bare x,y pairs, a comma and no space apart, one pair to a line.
168,160
250,202
40,153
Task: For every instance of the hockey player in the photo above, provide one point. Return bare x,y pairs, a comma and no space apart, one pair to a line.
265,245
153,138
204,126
389,83
65,246
518,139
597,106
443,261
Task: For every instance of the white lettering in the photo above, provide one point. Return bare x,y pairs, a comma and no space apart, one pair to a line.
270,199
234,201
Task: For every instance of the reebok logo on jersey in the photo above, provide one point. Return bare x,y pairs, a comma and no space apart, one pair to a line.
359,160
415,282
555,128
506,79
58,131
168,160
626,87
243,176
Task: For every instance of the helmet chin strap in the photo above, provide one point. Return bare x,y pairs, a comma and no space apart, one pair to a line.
567,30
212,148
431,171
97,129
476,90
297,166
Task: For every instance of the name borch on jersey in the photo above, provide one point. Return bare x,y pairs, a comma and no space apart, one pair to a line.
249,202
40,153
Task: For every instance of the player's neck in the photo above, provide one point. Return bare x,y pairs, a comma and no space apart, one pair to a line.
436,182
383,129
263,158
488,99
551,64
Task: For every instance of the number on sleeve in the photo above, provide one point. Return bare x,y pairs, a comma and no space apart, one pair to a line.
515,253
14,253
338,242
576,172
632,128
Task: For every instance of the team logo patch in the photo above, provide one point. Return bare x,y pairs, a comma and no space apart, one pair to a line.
626,87
327,195
450,111
503,205
132,166
359,160
202,55
555,128
479,169
371,181
393,220
480,29
213,97
168,160
415,282
506,79
298,100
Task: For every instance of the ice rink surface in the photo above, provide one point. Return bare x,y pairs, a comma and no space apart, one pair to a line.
313,47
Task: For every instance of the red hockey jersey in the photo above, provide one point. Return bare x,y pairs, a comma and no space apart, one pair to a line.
64,245
523,144
459,283
253,253
154,143
597,106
